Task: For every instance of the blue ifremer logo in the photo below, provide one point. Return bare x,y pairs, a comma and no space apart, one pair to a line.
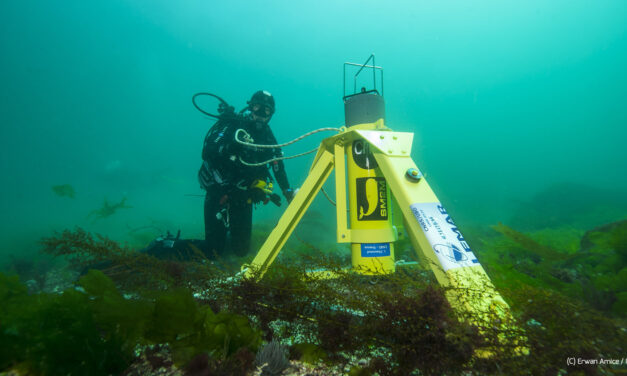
451,252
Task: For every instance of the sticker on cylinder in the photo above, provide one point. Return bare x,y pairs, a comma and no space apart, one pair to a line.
375,249
445,238
362,156
372,201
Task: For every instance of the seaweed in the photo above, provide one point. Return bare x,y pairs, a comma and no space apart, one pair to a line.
308,352
271,359
128,268
542,251
411,324
404,324
591,274
603,258
81,248
125,318
191,329
609,237
558,327
191,316
55,334
354,314
240,364
30,269
95,330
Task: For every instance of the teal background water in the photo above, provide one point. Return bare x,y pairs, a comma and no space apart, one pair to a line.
518,108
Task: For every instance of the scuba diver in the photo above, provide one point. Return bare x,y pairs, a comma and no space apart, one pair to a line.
236,174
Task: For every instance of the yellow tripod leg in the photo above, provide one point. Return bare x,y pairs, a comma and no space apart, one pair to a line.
433,234
318,174
469,290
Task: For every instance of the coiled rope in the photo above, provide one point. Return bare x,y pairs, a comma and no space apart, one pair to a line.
248,137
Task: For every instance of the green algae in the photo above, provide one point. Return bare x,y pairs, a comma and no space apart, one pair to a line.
309,353
591,274
527,243
51,334
399,323
94,330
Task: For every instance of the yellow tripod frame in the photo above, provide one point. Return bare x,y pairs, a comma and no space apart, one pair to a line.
469,289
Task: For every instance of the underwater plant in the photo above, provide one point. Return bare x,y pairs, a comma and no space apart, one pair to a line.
95,330
271,359
595,273
239,364
130,269
81,248
30,269
52,334
399,314
542,251
211,323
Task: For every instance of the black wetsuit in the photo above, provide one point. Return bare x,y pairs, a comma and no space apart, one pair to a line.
229,200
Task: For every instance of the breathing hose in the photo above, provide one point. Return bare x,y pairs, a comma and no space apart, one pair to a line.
222,107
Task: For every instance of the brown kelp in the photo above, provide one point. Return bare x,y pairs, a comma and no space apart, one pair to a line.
126,266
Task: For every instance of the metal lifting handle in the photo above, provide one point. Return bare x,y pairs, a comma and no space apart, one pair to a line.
362,66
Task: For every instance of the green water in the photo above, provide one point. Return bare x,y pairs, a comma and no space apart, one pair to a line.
508,101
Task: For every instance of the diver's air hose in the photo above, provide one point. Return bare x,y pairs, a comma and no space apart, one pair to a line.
223,104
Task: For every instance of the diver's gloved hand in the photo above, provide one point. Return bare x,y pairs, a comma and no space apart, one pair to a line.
225,110
260,191
289,194
257,196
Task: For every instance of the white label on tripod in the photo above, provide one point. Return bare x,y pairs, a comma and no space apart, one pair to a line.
445,238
